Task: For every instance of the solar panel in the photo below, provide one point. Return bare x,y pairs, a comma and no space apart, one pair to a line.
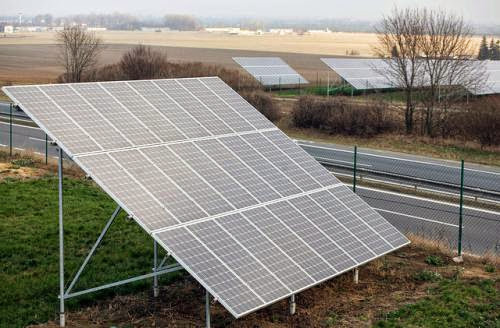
270,71
240,206
492,83
362,74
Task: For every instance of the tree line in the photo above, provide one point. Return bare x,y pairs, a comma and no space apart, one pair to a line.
491,51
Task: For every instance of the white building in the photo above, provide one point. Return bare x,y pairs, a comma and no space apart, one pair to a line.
8,29
281,31
96,29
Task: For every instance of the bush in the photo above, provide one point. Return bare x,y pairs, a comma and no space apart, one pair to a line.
142,62
264,103
340,116
483,121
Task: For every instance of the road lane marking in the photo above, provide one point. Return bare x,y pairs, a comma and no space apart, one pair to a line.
38,139
340,161
22,126
417,217
430,200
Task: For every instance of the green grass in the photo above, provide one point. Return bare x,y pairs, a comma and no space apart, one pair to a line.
29,247
454,303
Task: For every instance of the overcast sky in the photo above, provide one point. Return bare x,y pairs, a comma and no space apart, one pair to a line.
487,11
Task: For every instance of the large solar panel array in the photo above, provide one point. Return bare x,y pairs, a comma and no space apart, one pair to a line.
239,205
270,71
492,83
362,74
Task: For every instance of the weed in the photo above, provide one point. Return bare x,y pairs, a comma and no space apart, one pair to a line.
23,162
434,260
330,320
489,268
426,275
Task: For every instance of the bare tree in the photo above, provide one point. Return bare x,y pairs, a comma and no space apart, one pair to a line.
447,53
143,62
79,51
401,33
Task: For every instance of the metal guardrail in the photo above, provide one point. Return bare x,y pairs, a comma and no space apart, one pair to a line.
480,191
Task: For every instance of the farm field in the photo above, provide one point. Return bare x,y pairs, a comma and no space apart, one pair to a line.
26,63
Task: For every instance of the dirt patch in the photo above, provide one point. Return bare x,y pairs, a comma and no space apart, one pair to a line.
12,171
385,285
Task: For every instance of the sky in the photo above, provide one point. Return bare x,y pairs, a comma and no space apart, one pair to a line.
476,11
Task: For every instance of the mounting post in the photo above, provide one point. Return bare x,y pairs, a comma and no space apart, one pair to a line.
328,86
356,275
207,308
354,168
46,149
10,130
62,321
459,258
156,290
292,305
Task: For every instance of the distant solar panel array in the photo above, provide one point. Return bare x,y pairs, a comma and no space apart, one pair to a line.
270,71
367,74
240,206
492,83
362,74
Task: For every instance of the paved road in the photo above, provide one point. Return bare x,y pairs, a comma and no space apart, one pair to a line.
373,162
437,220
409,214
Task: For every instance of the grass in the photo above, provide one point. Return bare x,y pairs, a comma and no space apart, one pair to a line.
29,247
453,303
437,148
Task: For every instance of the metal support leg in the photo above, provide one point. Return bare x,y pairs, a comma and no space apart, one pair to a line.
156,290
62,321
356,276
292,304
93,249
207,308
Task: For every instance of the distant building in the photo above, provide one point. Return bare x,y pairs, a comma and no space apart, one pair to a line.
96,29
8,29
319,31
281,31
155,29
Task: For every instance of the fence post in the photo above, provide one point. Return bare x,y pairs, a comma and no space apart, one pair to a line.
460,217
46,149
10,129
355,168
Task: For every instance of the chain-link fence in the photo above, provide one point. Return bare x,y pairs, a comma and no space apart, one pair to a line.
455,204
449,203
19,134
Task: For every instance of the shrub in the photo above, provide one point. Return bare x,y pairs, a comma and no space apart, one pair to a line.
264,103
341,116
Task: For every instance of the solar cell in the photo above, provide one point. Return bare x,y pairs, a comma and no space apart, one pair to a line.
239,205
270,71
